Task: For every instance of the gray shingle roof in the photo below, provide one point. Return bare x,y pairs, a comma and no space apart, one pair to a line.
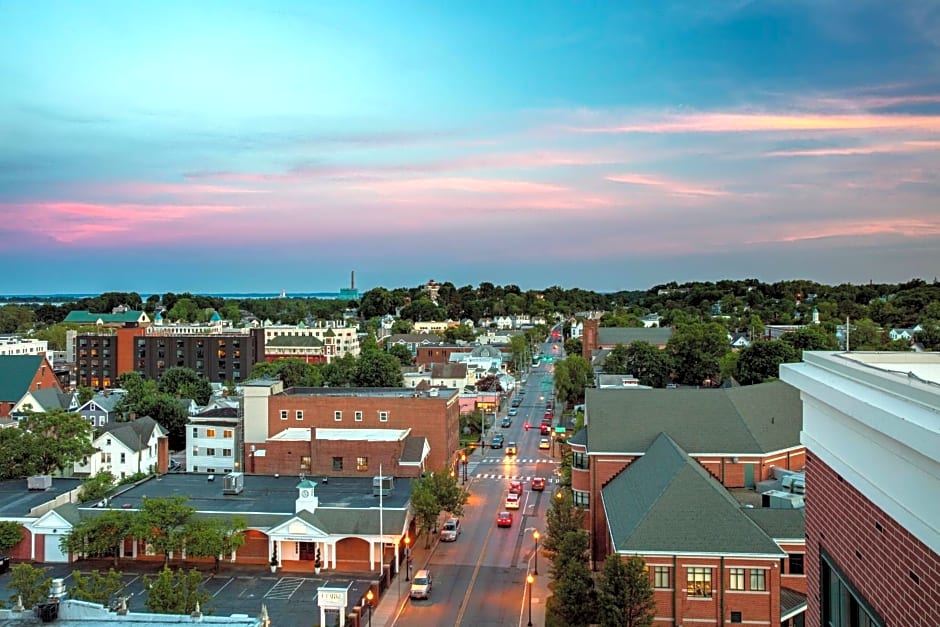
107,403
294,340
413,449
611,336
754,419
790,600
666,502
135,434
16,373
51,398
780,524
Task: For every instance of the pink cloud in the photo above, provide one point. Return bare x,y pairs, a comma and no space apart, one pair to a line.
460,184
871,149
677,188
147,188
912,228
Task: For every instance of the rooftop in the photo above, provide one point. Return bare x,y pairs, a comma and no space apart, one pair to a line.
72,612
16,500
299,434
442,393
366,435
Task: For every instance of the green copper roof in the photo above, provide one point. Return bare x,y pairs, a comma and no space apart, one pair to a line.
16,373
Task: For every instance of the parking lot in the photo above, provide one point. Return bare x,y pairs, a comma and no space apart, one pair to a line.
291,600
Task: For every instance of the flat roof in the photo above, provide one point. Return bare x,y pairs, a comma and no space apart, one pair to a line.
293,433
442,393
264,494
366,435
16,500
900,366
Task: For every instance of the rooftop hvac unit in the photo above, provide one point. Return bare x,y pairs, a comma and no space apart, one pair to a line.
794,483
39,482
382,485
777,499
233,483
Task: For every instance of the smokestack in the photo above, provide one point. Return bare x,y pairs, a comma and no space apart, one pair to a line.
352,279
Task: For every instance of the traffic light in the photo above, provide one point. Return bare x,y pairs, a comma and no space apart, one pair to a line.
526,426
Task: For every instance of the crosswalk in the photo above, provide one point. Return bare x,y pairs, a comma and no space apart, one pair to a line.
515,477
516,460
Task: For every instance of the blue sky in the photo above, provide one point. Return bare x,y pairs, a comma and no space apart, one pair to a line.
259,146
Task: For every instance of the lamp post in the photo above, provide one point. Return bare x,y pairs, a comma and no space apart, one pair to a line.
536,535
370,596
463,461
530,579
407,558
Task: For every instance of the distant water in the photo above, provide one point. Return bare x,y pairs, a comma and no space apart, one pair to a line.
58,299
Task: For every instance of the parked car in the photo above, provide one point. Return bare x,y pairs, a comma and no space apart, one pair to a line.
516,401
450,530
545,429
497,441
513,411
512,501
537,483
504,519
421,584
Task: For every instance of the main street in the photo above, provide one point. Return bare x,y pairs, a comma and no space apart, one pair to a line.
480,579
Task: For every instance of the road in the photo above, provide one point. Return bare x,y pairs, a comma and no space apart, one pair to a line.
479,580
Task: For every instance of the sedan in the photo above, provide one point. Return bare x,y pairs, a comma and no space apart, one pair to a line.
506,423
504,519
496,442
512,501
537,483
545,443
513,411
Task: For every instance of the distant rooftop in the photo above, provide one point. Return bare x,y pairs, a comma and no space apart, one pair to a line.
16,500
73,612
370,392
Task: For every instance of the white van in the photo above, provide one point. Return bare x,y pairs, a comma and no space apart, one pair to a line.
421,585
450,530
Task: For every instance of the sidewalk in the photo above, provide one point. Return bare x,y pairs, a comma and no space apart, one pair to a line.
390,604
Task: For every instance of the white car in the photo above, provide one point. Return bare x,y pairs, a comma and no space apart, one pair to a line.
512,501
451,530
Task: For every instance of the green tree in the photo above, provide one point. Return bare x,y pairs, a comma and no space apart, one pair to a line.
30,584
376,302
162,523
761,361
168,412
378,370
811,338
96,487
697,349
402,325
96,587
175,592
563,516
185,383
217,538
293,371
929,336
402,354
187,310
423,310
340,372
572,375
102,535
85,394
649,364
435,492
460,333
15,318
55,440
625,597
11,533
574,587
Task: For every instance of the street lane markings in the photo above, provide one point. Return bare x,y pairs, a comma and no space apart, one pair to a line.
476,571
502,460
517,478
284,588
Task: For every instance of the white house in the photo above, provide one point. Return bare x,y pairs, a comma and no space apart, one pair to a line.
44,401
125,448
651,320
904,334
576,330
213,441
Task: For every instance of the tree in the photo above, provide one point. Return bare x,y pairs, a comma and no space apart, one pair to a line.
340,372
215,537
573,592
572,375
168,412
162,522
378,370
649,364
53,441
625,597
562,517
811,338
187,310
616,361
293,371
96,487
435,492
929,337
96,587
30,584
85,394
175,592
423,310
697,349
11,533
402,354
761,361
102,535
489,383
460,333
376,302
185,383
402,325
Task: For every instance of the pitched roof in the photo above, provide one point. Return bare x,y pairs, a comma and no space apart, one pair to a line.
780,524
665,502
16,373
51,398
294,340
611,336
747,420
86,317
449,371
107,403
414,338
413,450
134,434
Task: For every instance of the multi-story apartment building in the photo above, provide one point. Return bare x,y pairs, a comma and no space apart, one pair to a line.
219,357
321,341
15,345
101,357
348,431
213,441
871,426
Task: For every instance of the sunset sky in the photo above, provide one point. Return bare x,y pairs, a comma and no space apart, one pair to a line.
236,146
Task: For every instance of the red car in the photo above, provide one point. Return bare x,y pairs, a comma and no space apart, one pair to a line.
515,487
545,430
504,519
538,483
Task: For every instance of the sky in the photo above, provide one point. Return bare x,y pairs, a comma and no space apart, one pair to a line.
236,146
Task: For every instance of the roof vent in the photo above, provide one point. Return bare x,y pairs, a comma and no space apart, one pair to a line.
233,483
210,478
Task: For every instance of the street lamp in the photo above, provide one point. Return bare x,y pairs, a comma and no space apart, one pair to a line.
529,580
463,461
536,535
407,558
370,596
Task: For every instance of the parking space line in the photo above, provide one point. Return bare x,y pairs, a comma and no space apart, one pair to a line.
285,588
223,587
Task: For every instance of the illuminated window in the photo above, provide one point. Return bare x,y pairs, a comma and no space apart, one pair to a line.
227,433
362,463
305,462
210,433
699,582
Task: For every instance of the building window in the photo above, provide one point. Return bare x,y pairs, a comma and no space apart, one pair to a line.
841,603
283,414
699,582
758,579
660,577
299,414
305,462
582,498
735,579
210,452
796,564
736,617
362,463
358,416
195,450
579,460
195,432
337,463
226,452
210,433
123,458
383,416
337,416
227,433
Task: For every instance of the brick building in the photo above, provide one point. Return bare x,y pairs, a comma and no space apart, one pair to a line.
739,435
596,338
428,354
20,374
348,431
871,426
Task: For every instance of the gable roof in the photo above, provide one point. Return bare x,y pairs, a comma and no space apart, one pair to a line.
611,336
52,398
107,403
16,373
780,524
86,317
414,338
747,420
414,451
134,434
665,502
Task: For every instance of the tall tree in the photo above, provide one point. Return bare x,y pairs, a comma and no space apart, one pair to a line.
96,587
185,383
11,533
377,369
761,361
402,354
102,535
697,349
175,592
54,441
574,586
293,371
162,522
30,584
435,492
563,516
215,537
625,597
652,366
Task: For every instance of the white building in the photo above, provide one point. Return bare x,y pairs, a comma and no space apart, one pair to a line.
213,442
125,448
338,338
15,345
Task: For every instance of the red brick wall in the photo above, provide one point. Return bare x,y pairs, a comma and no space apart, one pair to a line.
427,355
163,455
270,356
436,419
794,582
879,563
22,550
44,378
125,350
589,338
